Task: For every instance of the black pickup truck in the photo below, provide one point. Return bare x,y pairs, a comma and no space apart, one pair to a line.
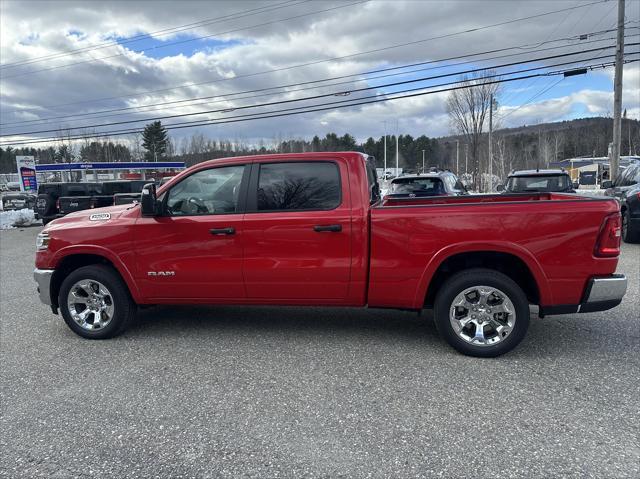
59,199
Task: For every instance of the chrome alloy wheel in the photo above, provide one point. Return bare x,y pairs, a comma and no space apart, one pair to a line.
482,315
90,304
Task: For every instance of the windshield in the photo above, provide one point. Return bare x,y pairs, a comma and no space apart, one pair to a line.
522,184
422,186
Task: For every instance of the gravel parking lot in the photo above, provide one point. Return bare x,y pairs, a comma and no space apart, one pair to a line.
292,392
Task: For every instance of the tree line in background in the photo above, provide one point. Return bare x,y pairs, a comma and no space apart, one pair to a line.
516,148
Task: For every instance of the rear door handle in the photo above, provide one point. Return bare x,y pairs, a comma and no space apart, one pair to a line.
331,228
222,231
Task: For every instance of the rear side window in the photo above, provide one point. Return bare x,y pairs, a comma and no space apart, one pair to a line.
298,186
537,183
417,185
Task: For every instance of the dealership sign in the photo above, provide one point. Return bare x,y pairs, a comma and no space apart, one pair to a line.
125,165
27,173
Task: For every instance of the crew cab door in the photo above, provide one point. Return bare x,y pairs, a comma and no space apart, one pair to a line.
297,232
194,249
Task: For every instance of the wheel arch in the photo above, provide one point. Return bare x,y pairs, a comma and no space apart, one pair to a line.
519,265
70,259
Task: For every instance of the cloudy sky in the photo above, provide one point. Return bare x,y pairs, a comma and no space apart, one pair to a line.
82,66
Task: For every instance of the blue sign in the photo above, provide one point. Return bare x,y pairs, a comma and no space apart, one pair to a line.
132,165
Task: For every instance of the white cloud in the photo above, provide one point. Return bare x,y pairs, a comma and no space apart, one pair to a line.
34,29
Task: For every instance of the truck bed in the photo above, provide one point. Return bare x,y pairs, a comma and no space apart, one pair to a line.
496,198
554,235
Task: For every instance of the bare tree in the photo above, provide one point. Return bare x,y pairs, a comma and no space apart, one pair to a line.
135,142
468,110
558,140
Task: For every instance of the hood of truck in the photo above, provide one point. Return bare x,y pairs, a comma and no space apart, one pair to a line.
95,217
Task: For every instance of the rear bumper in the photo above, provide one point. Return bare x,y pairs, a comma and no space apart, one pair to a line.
43,279
602,293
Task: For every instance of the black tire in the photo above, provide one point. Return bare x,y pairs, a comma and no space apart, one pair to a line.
124,307
629,235
476,277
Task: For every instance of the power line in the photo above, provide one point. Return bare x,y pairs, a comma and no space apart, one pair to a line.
537,95
548,87
165,45
310,108
165,31
316,62
98,114
404,82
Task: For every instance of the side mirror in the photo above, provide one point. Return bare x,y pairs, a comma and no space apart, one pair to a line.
148,200
500,188
606,184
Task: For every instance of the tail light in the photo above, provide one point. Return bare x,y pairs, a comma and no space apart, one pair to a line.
608,243
58,204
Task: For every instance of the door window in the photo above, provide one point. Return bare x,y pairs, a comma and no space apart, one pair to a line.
208,192
298,186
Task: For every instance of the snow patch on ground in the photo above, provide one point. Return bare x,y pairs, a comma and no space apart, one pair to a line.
17,218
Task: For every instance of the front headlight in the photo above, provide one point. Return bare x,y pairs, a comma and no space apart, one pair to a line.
42,241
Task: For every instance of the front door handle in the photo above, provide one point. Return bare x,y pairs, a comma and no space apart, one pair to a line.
222,231
331,228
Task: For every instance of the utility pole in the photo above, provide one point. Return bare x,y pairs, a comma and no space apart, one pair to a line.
617,96
384,174
397,154
457,145
466,157
385,155
490,144
423,162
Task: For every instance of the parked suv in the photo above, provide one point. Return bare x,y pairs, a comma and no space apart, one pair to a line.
538,181
434,183
626,189
48,204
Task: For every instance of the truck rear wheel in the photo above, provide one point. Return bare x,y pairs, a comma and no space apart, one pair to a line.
95,302
481,312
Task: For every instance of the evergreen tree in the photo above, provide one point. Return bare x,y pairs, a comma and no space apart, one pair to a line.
154,140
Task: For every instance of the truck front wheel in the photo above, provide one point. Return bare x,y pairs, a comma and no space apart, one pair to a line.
95,302
481,312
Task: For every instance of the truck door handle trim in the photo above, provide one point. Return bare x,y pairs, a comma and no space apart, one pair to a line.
222,231
330,228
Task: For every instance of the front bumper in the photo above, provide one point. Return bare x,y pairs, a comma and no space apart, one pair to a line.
43,278
602,293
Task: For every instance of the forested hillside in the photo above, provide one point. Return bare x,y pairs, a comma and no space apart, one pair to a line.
523,147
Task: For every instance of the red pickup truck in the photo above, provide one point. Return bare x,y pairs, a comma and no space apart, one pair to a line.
311,229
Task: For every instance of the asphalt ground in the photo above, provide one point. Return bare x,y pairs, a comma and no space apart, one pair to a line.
292,392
